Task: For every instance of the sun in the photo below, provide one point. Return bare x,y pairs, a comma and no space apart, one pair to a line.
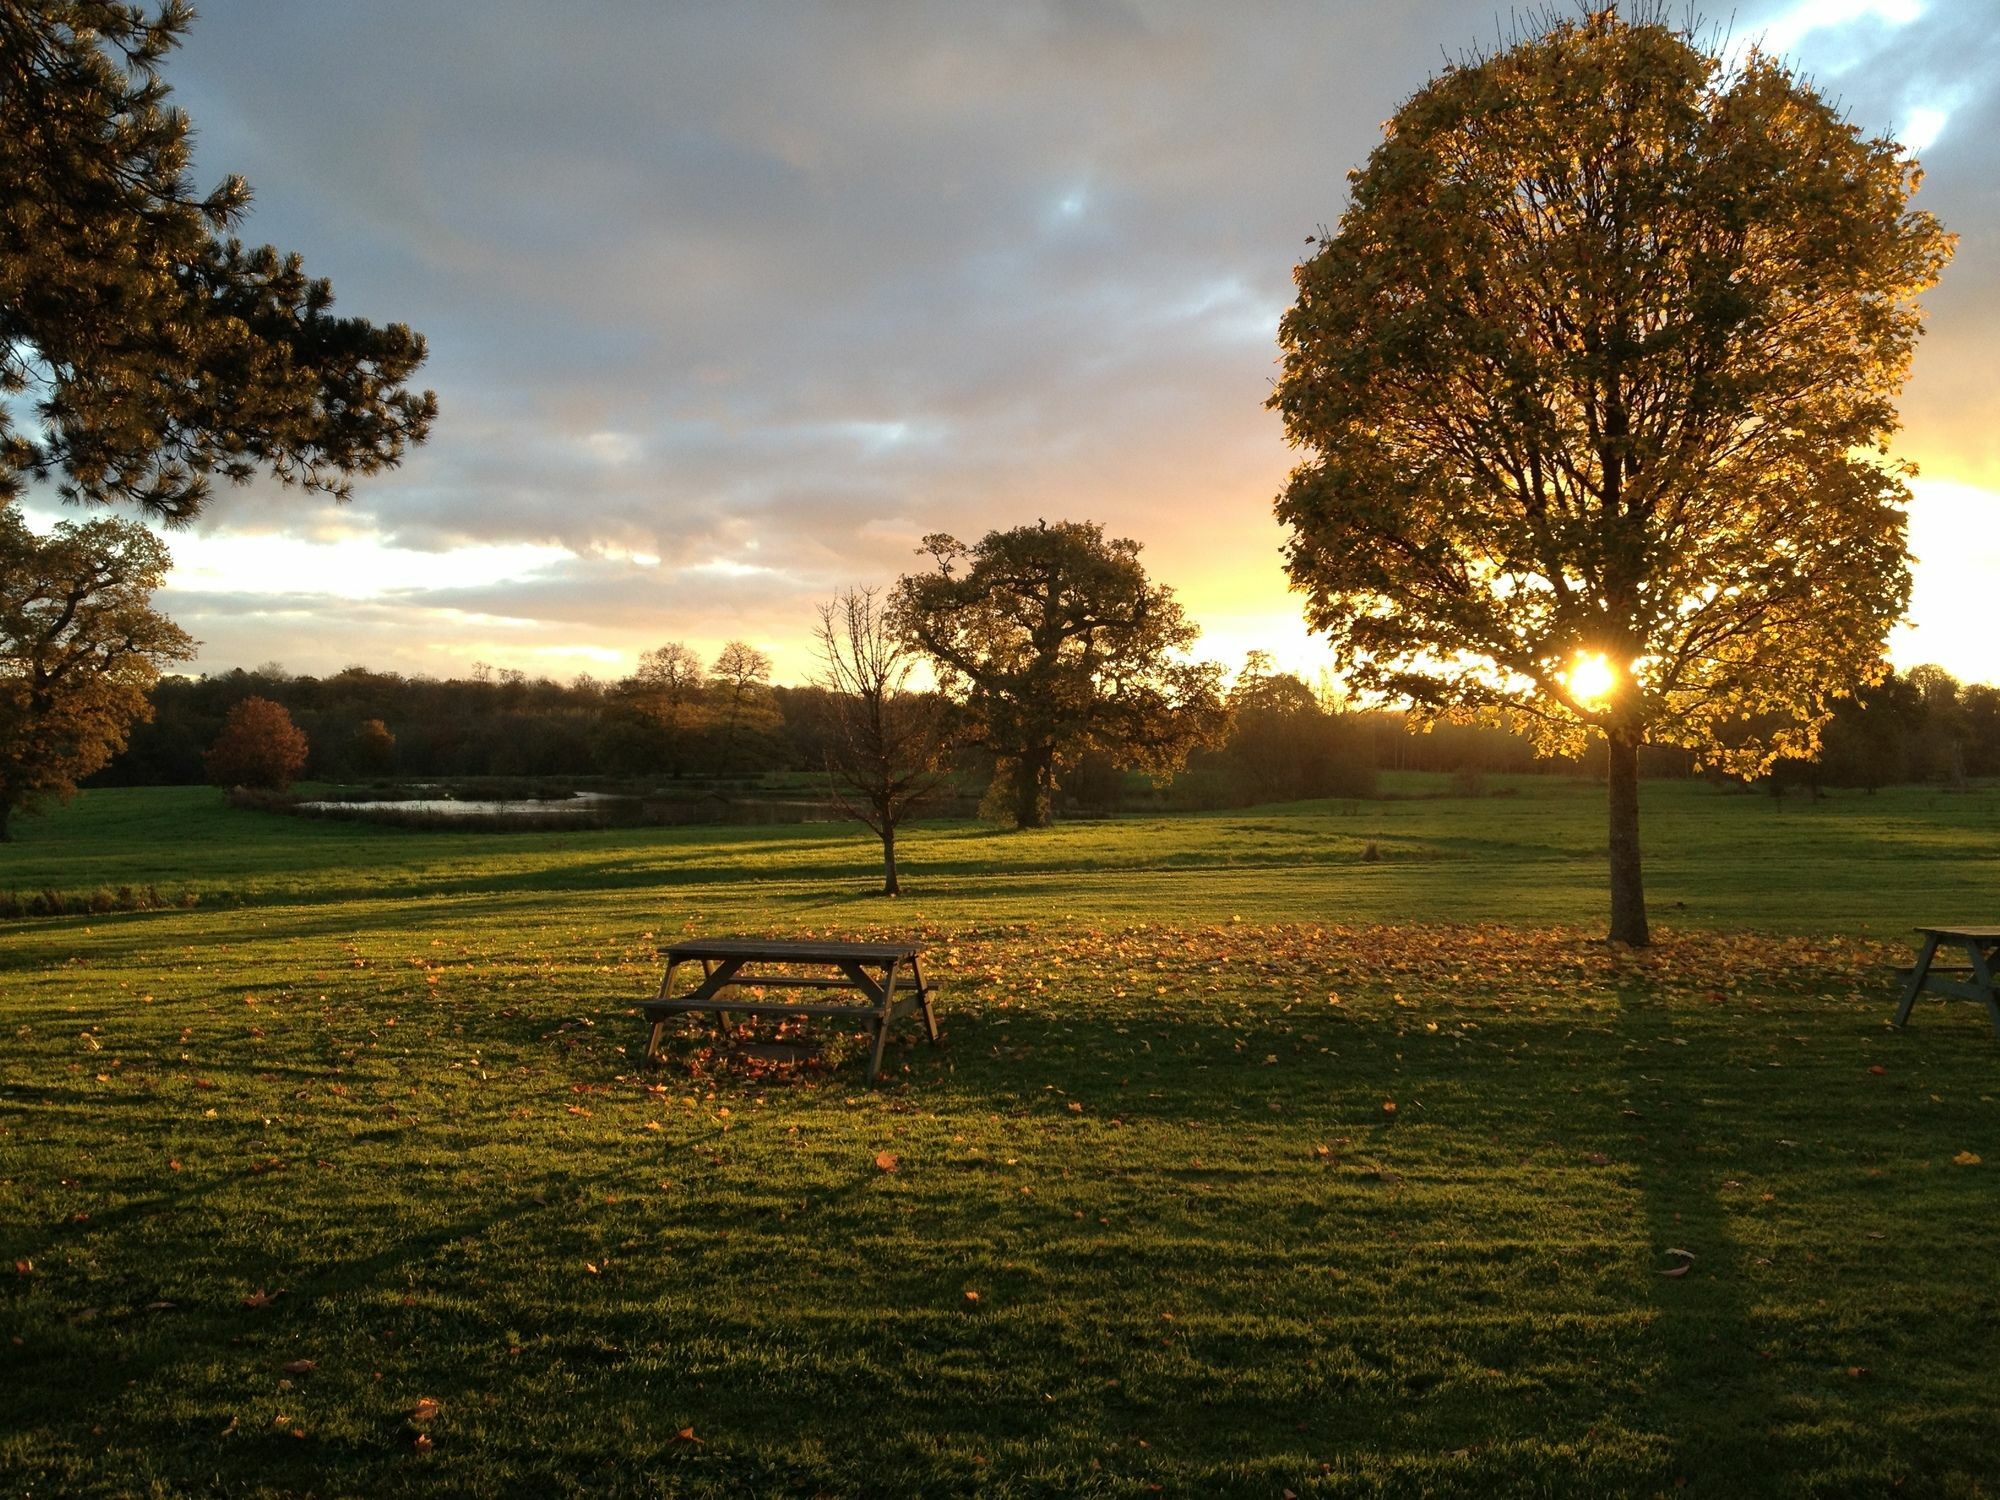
1592,679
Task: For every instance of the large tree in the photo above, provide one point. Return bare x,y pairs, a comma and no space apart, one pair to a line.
1595,382
1056,642
143,349
80,647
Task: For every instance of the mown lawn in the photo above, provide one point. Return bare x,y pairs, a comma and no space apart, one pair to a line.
346,1181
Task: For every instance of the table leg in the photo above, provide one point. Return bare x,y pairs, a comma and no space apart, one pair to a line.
707,978
887,1001
924,998
1916,984
659,1026
1982,976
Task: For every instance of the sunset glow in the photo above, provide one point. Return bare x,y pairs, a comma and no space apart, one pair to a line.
863,311
1592,680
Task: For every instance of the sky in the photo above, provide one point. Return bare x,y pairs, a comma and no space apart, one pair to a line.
728,305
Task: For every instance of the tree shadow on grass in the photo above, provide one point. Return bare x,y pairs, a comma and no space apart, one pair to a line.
1714,1392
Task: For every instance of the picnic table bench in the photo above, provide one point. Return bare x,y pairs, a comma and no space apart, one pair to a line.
888,976
1981,946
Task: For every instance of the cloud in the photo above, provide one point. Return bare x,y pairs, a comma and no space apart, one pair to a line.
784,289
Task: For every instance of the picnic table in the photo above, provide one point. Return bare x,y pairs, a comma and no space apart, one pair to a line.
1975,981
888,977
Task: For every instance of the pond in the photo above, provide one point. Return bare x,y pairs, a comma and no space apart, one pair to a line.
452,808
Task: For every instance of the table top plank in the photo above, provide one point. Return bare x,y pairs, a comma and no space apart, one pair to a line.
1962,934
791,951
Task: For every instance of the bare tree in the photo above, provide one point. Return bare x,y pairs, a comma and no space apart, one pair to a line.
885,743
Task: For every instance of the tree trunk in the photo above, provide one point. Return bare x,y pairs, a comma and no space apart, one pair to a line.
889,885
1628,891
1034,792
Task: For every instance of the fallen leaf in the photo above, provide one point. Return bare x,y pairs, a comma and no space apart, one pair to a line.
426,1408
300,1367
1855,1372
421,1442
1966,1159
972,1296
1389,1108
1679,1270
686,1435
262,1298
591,1267
1878,1070
1322,1152
885,1161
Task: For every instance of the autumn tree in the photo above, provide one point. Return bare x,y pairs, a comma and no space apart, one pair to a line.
80,648
259,747
885,742
1595,380
668,696
143,349
740,679
1056,642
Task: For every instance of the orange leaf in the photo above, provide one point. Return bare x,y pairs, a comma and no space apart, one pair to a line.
421,1442
300,1367
686,1435
426,1408
885,1161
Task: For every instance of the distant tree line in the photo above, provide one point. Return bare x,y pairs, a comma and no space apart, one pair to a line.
1287,739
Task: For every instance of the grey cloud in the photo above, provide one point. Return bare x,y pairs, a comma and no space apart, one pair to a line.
818,277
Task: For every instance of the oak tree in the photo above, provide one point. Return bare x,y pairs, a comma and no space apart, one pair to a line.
80,648
144,349
1056,642
1594,381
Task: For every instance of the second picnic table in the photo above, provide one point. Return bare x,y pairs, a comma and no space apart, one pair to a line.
888,976
1981,947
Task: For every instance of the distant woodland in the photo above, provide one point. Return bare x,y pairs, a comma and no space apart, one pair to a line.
1286,741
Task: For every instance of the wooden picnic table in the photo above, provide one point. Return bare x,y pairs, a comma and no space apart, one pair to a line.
888,976
1981,946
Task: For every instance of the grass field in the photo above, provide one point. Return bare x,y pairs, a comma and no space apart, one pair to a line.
345,1180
